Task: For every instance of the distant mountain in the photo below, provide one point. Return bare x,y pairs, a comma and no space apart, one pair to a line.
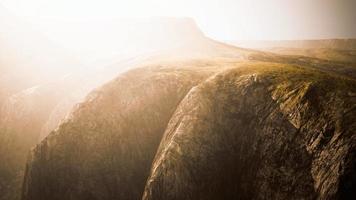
105,39
337,51
328,54
344,44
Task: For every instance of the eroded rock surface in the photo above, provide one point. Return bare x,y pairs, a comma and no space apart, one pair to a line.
105,149
218,129
266,134
256,131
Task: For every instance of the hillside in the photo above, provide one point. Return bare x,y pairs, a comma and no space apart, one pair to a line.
123,122
183,117
258,132
345,44
20,122
344,56
204,129
333,51
30,111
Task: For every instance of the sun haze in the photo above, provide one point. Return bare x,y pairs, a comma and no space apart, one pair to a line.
224,20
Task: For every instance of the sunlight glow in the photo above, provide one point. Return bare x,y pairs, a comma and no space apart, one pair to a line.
224,20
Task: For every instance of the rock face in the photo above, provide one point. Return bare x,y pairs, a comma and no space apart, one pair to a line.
253,131
28,59
105,150
21,120
259,136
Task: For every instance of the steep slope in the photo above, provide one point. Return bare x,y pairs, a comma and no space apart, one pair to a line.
22,117
266,132
29,113
105,150
28,61
259,130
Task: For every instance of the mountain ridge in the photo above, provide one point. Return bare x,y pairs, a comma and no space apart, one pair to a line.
278,105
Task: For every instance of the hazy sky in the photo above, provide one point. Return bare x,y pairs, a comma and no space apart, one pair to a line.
220,19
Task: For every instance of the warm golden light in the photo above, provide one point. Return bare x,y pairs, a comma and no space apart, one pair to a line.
224,20
177,99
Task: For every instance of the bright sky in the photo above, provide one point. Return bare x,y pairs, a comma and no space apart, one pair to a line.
220,19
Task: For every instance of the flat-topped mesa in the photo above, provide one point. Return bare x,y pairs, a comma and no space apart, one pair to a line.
100,39
172,30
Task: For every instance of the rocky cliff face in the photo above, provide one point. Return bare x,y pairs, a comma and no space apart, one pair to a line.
255,130
278,134
22,118
34,101
213,130
105,150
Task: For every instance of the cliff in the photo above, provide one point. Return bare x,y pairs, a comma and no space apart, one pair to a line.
34,101
280,133
110,140
204,130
